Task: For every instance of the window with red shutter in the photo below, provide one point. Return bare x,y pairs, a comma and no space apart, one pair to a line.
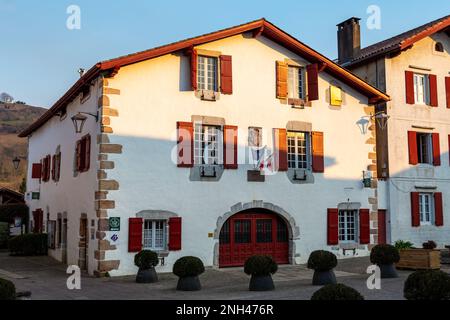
135,234
312,73
230,147
438,209
226,75
46,163
87,152
447,91
412,148
333,227
432,79
436,149
175,234
36,171
185,145
415,210
364,226
318,153
280,149
409,83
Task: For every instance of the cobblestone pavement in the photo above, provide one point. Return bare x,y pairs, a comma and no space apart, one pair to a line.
46,279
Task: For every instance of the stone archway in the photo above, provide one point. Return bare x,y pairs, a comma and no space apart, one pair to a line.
293,229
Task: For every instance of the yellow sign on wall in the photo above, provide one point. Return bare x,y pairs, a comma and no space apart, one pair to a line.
335,96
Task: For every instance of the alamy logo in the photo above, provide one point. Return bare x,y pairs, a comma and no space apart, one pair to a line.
73,22
74,280
374,281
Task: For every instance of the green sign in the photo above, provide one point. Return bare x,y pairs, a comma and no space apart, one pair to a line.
35,195
114,224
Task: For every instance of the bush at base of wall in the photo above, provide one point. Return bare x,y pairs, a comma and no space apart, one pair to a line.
7,290
28,245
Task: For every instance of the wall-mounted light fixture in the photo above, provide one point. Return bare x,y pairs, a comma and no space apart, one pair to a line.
79,119
16,162
381,118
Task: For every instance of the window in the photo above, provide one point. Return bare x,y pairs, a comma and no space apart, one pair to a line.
51,231
155,235
255,143
296,83
46,163
424,148
242,231
207,73
347,225
421,89
264,230
426,208
299,150
439,47
208,142
83,154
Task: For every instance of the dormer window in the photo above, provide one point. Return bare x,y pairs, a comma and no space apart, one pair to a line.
207,73
438,47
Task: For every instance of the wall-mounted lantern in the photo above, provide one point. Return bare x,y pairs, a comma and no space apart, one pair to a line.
79,119
381,119
16,163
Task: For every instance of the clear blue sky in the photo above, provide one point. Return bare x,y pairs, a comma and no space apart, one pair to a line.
39,56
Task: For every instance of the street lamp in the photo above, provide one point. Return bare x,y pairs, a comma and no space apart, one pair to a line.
79,119
16,163
381,119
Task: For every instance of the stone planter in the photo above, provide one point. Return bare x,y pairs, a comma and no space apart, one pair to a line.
322,278
146,276
261,283
388,271
189,284
419,259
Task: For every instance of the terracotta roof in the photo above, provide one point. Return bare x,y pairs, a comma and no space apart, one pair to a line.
258,27
401,41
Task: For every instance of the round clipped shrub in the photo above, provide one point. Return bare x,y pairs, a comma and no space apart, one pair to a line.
146,259
427,285
188,267
322,260
384,254
429,245
260,265
336,292
7,290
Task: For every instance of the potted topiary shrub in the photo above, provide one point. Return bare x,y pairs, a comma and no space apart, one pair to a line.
336,292
323,263
385,256
261,269
146,261
188,269
429,245
427,285
7,290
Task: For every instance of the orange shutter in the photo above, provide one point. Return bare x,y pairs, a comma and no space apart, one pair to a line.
230,147
318,161
226,75
194,70
409,83
280,150
312,72
433,90
185,153
282,78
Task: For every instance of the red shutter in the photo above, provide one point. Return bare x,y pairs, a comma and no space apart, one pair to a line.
194,70
382,239
433,90
78,155
175,234
409,83
53,167
36,170
438,209
226,75
415,212
87,153
364,226
332,227
318,161
38,219
185,154
282,80
436,150
230,147
135,234
412,147
312,72
58,167
447,90
280,149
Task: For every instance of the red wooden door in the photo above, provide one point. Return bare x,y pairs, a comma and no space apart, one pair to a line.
38,220
248,234
382,226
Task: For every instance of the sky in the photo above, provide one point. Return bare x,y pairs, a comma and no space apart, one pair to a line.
40,56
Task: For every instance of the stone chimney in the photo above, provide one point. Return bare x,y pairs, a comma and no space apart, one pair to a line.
349,39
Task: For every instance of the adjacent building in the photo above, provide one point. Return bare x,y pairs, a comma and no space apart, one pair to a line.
238,142
413,130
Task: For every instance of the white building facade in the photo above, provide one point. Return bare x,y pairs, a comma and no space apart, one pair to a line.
413,149
240,142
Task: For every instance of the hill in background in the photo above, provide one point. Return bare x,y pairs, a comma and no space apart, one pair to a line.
14,118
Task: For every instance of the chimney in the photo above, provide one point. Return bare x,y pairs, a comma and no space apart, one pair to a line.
349,39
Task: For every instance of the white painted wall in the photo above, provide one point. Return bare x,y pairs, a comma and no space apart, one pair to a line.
72,195
152,101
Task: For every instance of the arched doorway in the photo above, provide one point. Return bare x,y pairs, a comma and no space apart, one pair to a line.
251,232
